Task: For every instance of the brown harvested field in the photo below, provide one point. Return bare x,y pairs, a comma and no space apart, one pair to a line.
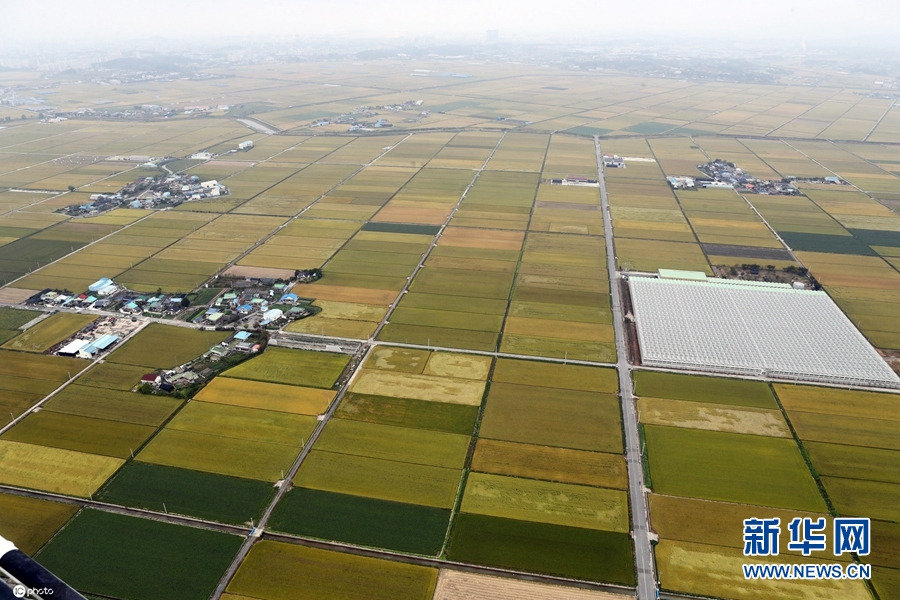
457,585
10,295
341,293
479,238
241,271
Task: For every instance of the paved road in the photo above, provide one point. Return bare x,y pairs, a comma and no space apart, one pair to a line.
643,552
258,125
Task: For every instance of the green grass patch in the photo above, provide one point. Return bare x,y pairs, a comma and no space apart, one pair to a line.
363,521
136,559
714,390
731,467
277,571
543,548
194,493
293,367
406,412
163,346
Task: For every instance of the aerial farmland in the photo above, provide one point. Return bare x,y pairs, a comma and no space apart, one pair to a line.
480,346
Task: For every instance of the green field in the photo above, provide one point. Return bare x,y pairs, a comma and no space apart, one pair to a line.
112,376
235,457
68,432
54,469
716,571
395,443
713,523
37,367
237,422
181,491
292,367
163,347
29,523
405,412
13,318
112,404
364,521
546,502
838,429
715,390
542,548
553,417
859,498
730,467
553,375
49,332
381,479
855,462
135,559
276,571
550,464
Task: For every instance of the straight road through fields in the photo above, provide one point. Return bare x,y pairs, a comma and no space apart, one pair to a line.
643,552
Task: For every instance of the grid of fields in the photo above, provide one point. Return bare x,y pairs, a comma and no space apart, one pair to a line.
719,451
441,250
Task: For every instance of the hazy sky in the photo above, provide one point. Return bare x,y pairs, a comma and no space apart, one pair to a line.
45,21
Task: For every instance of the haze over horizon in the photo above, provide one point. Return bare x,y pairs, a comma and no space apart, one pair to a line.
31,26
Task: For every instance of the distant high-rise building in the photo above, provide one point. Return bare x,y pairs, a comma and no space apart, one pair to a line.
493,35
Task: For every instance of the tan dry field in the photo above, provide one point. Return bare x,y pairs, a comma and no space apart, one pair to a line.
462,366
340,293
420,387
242,271
712,417
10,295
456,585
268,396
477,238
